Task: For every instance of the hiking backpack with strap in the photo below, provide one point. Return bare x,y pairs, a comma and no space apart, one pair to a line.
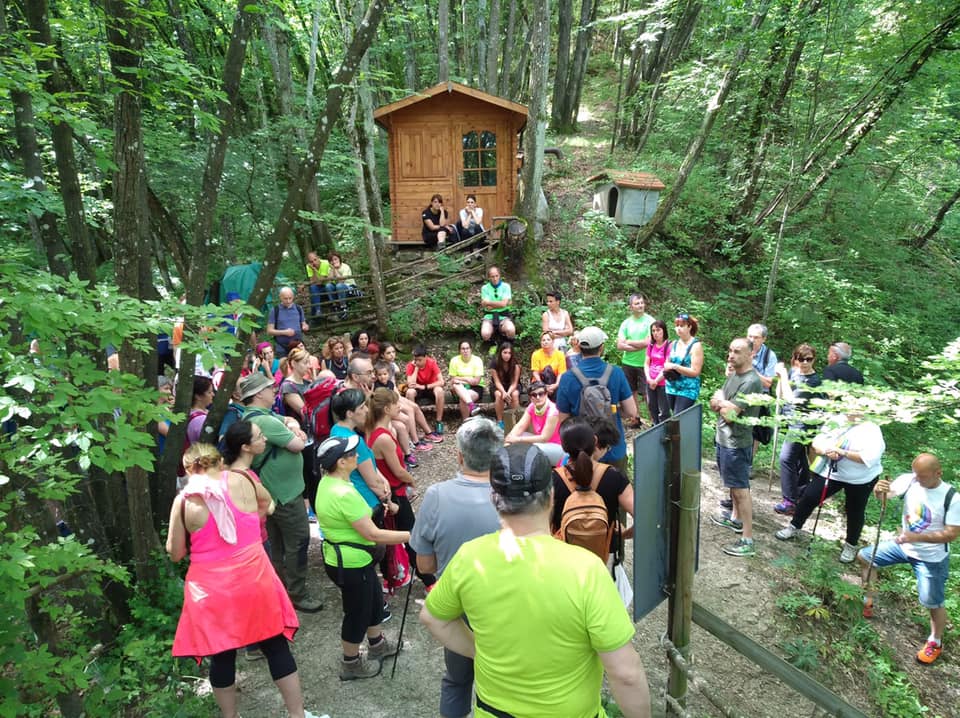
317,421
584,520
595,396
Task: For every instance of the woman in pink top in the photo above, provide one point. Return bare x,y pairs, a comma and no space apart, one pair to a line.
657,352
232,597
539,425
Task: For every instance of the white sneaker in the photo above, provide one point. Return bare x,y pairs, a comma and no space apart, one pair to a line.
848,554
308,714
787,532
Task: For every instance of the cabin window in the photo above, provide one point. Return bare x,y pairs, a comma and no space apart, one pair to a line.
480,159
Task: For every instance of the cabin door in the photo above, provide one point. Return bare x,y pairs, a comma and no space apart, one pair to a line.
480,166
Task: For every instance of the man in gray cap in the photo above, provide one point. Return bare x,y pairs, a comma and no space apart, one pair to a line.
466,514
280,468
619,403
546,620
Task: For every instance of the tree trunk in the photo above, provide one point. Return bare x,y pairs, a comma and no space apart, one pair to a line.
493,48
132,232
81,248
559,103
920,241
312,66
534,136
443,42
504,82
481,44
695,148
366,134
578,68
409,49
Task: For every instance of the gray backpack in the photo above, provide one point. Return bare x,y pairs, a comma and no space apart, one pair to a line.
595,397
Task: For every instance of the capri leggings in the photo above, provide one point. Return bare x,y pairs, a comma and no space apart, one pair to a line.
223,666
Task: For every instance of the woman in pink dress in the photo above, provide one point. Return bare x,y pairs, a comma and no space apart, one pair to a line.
232,597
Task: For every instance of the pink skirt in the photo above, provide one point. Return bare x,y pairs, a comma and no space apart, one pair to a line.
232,604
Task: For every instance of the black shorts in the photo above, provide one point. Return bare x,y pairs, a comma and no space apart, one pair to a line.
636,378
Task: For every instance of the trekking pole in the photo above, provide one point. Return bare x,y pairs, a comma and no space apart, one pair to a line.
876,542
823,497
776,438
403,622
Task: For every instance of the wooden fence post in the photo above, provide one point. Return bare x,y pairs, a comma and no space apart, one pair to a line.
685,513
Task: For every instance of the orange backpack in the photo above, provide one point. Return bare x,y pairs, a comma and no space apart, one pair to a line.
584,520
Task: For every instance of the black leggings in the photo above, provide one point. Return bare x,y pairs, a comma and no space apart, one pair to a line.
855,504
362,600
223,666
679,403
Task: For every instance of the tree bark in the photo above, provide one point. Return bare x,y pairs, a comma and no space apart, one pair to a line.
560,74
493,48
921,240
695,148
443,41
312,60
534,136
578,68
505,76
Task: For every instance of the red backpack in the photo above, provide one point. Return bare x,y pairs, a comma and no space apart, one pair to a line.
397,572
316,407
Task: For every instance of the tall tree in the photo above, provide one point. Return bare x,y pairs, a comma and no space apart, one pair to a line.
534,137
443,41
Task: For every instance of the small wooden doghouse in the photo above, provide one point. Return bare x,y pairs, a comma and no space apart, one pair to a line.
629,197
453,141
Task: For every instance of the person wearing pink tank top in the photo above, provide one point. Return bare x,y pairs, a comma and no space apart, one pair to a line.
232,597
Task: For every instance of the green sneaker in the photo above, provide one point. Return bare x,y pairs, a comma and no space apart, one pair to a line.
742,547
723,519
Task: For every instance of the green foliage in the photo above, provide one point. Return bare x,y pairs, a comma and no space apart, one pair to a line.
803,653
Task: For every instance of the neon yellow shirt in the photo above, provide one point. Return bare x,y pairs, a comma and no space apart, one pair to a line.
540,610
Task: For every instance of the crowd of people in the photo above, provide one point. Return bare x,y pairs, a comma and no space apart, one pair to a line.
278,468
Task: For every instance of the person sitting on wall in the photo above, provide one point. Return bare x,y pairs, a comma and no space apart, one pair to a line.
471,219
340,283
318,272
437,227
496,298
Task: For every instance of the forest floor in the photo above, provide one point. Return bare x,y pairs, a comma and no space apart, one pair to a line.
741,591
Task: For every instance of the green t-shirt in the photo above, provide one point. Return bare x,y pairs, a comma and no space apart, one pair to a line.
338,506
496,294
635,329
282,471
536,646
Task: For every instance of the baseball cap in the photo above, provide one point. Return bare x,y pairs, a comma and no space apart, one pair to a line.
591,337
253,384
520,470
330,451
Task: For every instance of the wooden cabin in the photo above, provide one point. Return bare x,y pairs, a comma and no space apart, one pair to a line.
630,198
450,140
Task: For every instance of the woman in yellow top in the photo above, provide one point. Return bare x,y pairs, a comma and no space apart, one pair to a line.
547,363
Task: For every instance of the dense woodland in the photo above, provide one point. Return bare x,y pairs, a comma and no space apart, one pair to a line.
811,155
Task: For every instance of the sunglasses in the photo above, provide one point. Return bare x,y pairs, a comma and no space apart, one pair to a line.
683,317
537,394
804,358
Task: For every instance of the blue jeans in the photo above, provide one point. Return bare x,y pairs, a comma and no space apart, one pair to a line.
337,292
317,296
931,576
734,465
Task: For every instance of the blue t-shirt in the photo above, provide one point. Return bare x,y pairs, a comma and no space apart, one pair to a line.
568,396
364,453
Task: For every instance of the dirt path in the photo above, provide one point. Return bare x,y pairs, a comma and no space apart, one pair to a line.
742,591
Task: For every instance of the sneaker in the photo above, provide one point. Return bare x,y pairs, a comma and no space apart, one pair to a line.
726,504
474,409
308,605
386,613
411,460
867,607
308,714
434,438
311,516
359,668
253,653
741,547
848,554
787,532
383,649
785,507
723,519
501,425
929,653
423,445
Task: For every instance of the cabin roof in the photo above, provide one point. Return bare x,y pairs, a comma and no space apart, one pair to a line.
629,180
449,87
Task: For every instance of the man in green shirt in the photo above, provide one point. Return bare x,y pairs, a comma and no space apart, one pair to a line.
542,649
632,339
280,468
495,297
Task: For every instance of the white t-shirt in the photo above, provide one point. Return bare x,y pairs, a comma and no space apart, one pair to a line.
865,439
923,512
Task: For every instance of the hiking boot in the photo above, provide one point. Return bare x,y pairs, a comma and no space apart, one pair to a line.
308,605
787,532
785,507
741,547
434,438
929,653
867,607
726,504
359,668
382,649
848,554
723,519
